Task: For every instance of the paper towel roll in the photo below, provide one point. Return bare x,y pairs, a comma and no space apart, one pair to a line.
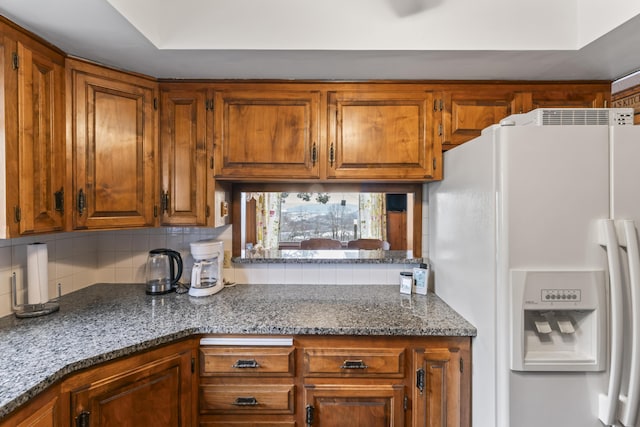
37,273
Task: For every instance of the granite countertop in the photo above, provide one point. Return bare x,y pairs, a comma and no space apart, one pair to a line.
326,256
106,321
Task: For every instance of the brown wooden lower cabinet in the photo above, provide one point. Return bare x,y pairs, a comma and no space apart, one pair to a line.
372,405
312,381
153,388
41,411
337,381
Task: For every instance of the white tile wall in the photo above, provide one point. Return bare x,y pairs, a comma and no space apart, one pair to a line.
72,264
79,259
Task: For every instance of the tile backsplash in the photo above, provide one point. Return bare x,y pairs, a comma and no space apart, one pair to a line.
79,259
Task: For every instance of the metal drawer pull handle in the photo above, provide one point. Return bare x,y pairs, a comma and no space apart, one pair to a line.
245,401
353,364
241,364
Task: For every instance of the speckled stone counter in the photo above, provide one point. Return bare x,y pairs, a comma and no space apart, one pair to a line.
332,256
107,321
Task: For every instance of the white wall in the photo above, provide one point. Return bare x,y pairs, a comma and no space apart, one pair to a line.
72,263
79,259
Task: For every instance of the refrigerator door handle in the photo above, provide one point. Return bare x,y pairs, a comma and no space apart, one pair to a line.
608,403
629,403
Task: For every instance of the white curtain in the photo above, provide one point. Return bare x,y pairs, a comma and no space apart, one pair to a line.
268,219
373,218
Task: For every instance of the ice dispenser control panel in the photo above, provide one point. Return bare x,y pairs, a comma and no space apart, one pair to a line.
569,295
558,320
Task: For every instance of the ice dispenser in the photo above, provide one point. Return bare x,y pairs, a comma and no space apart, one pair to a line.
558,320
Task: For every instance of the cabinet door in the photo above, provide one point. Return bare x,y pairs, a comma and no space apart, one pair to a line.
565,98
34,132
437,394
184,141
267,134
114,148
383,136
362,405
41,411
154,394
466,113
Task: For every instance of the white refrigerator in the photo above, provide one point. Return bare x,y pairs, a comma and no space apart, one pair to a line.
527,241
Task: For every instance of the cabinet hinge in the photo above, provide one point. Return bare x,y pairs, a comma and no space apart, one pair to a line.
211,162
405,403
155,103
82,420
309,415
440,129
420,380
15,61
193,365
17,213
434,163
155,211
59,200
461,365
207,211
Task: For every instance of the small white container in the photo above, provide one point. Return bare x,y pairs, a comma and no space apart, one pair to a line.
420,279
406,282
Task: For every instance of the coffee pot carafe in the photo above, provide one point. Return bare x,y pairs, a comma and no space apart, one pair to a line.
206,275
163,270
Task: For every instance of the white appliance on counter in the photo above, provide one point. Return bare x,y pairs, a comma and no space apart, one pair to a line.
533,239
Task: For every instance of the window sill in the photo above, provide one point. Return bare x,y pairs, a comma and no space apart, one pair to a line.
333,256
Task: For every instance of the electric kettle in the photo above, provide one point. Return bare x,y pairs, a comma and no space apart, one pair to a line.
163,270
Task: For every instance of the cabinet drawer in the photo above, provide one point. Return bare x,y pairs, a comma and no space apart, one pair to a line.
247,424
247,399
247,361
388,362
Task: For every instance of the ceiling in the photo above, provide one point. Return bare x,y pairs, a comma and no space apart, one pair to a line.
352,40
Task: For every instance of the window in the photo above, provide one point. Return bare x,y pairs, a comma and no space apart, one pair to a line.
275,219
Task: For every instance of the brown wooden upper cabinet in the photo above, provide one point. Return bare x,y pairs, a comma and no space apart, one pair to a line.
186,145
382,135
114,147
466,112
467,109
32,97
267,134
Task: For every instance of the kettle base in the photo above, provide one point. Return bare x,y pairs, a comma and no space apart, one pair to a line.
168,291
156,287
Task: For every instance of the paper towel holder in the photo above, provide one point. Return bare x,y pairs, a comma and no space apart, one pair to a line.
32,310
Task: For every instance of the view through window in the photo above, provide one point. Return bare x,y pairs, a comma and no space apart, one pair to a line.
319,215
294,219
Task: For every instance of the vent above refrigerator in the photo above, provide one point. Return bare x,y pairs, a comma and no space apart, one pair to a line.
572,117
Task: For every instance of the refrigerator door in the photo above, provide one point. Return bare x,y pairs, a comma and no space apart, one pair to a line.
625,210
552,190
